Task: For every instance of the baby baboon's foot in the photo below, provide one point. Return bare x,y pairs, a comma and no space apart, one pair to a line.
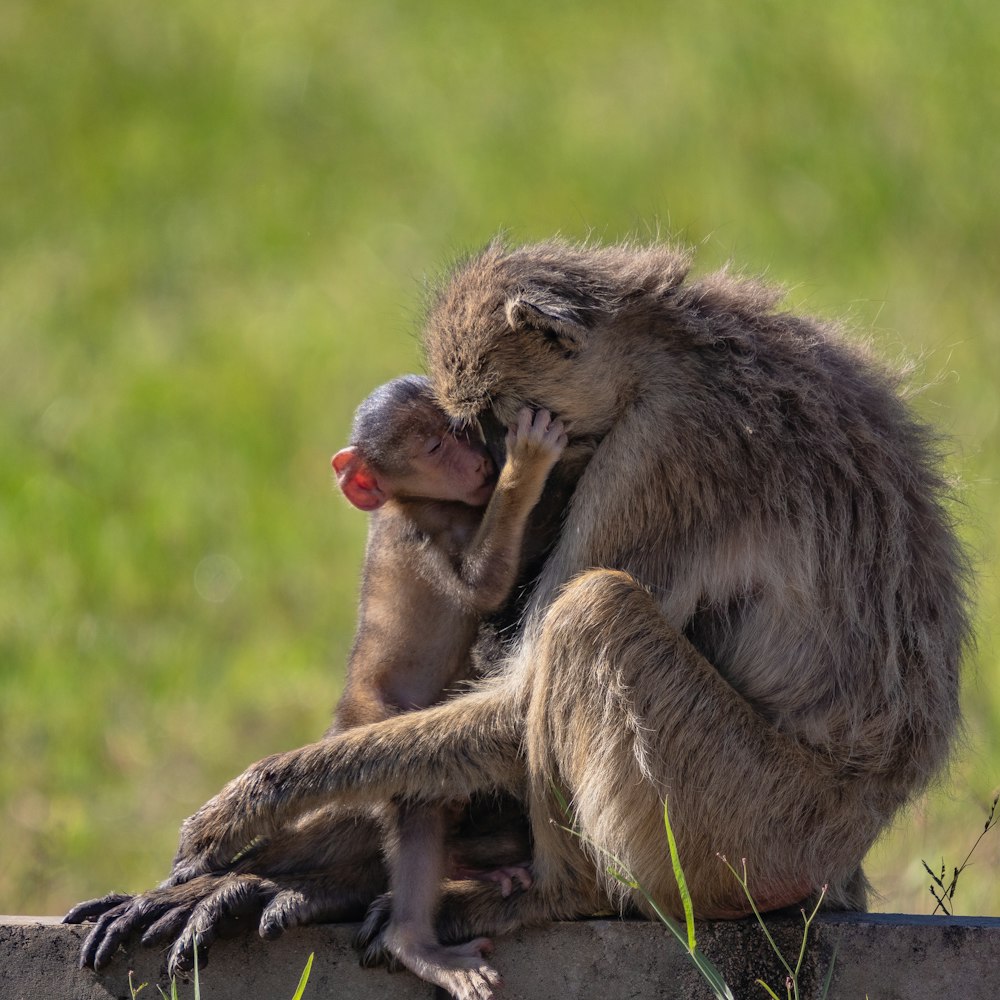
505,876
460,969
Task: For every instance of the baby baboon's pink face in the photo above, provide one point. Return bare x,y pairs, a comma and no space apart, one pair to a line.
446,465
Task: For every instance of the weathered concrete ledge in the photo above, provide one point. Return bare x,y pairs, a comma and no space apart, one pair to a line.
882,956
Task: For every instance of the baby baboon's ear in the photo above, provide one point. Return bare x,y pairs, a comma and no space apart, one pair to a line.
556,320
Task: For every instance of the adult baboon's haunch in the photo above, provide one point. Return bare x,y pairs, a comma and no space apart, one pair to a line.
755,603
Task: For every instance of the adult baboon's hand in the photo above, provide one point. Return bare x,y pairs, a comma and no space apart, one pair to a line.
202,910
118,917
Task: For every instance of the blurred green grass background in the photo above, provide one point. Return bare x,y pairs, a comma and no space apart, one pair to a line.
215,226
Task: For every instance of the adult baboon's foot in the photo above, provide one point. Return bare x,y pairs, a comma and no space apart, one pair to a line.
370,939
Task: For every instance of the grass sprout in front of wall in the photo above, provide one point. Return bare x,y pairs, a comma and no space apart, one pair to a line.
686,935
134,990
792,979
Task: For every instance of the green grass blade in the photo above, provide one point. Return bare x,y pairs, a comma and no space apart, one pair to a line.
619,871
197,982
770,992
681,880
304,978
828,980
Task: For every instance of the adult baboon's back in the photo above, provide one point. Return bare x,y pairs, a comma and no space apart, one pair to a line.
755,604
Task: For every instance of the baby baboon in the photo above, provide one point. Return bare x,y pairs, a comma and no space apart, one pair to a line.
434,564
444,548
756,603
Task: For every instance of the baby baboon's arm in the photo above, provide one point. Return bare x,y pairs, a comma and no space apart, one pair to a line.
487,570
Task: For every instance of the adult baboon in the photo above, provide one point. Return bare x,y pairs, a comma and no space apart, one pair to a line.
755,605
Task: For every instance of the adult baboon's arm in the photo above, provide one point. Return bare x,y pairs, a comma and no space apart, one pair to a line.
468,744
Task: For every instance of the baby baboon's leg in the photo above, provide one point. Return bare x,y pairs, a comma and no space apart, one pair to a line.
417,862
468,744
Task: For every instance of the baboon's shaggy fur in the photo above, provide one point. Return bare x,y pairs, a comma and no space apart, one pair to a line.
756,604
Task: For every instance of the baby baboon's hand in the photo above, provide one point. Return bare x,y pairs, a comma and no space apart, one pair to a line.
537,439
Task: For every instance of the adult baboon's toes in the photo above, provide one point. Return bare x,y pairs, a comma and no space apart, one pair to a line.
374,924
181,958
167,927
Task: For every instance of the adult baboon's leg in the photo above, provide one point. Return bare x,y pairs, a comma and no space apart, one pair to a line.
468,744
625,712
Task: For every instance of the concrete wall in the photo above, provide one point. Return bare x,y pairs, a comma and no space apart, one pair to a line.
883,957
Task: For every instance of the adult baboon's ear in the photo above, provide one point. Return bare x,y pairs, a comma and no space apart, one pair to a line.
557,321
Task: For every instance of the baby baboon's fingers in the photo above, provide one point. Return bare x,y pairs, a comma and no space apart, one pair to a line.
525,421
477,982
542,421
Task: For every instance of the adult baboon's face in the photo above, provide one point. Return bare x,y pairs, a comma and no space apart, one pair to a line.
500,337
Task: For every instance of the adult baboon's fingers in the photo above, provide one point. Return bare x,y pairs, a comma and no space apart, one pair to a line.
235,898
92,943
114,928
285,909
167,927
118,925
91,909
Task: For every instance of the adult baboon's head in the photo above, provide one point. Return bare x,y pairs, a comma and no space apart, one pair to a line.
533,325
